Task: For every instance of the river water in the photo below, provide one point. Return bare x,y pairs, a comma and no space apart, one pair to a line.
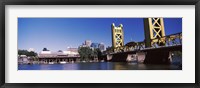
98,66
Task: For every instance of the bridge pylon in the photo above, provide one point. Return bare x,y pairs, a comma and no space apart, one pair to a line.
154,29
117,36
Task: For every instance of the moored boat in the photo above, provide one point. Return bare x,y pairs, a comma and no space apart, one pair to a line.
63,62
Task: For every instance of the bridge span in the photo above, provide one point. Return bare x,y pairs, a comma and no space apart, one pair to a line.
159,55
157,48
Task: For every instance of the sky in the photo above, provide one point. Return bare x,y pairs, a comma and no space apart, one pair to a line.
59,33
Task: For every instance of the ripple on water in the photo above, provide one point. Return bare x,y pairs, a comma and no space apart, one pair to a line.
98,66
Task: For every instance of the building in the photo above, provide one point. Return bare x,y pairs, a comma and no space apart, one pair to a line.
31,50
68,52
48,54
48,57
23,59
101,46
71,52
95,45
88,43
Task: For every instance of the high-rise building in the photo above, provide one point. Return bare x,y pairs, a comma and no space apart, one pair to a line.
71,51
95,45
88,43
101,46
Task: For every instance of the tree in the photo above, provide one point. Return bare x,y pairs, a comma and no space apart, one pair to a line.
99,53
96,52
110,49
27,53
85,53
31,53
22,52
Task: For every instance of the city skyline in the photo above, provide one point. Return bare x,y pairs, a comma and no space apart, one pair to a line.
60,33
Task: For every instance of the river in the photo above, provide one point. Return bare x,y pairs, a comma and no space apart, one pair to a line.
98,66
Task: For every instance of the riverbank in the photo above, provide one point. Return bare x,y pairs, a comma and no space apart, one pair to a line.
55,62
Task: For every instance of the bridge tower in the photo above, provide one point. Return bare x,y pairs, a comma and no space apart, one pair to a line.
117,35
154,29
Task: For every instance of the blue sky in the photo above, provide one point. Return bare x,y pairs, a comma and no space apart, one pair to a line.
60,33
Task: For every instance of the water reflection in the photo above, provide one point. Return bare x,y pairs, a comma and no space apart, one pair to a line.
99,66
69,66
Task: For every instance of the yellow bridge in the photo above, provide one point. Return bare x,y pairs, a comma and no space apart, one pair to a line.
156,48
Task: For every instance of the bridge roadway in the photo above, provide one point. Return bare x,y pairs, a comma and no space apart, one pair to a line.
158,55
161,48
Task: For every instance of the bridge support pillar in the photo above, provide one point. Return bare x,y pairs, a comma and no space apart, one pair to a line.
157,57
131,57
109,57
141,57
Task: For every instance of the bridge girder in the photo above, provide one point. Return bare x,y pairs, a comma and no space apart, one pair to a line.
170,40
154,37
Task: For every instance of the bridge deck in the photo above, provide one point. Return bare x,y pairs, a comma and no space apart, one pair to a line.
168,48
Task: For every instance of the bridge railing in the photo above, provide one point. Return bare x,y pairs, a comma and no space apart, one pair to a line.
169,40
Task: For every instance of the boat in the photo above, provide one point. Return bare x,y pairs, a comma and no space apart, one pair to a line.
63,62
51,62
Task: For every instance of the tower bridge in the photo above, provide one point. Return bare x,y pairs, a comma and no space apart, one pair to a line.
155,49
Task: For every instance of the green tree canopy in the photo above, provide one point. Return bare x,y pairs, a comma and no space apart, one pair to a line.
27,53
86,53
